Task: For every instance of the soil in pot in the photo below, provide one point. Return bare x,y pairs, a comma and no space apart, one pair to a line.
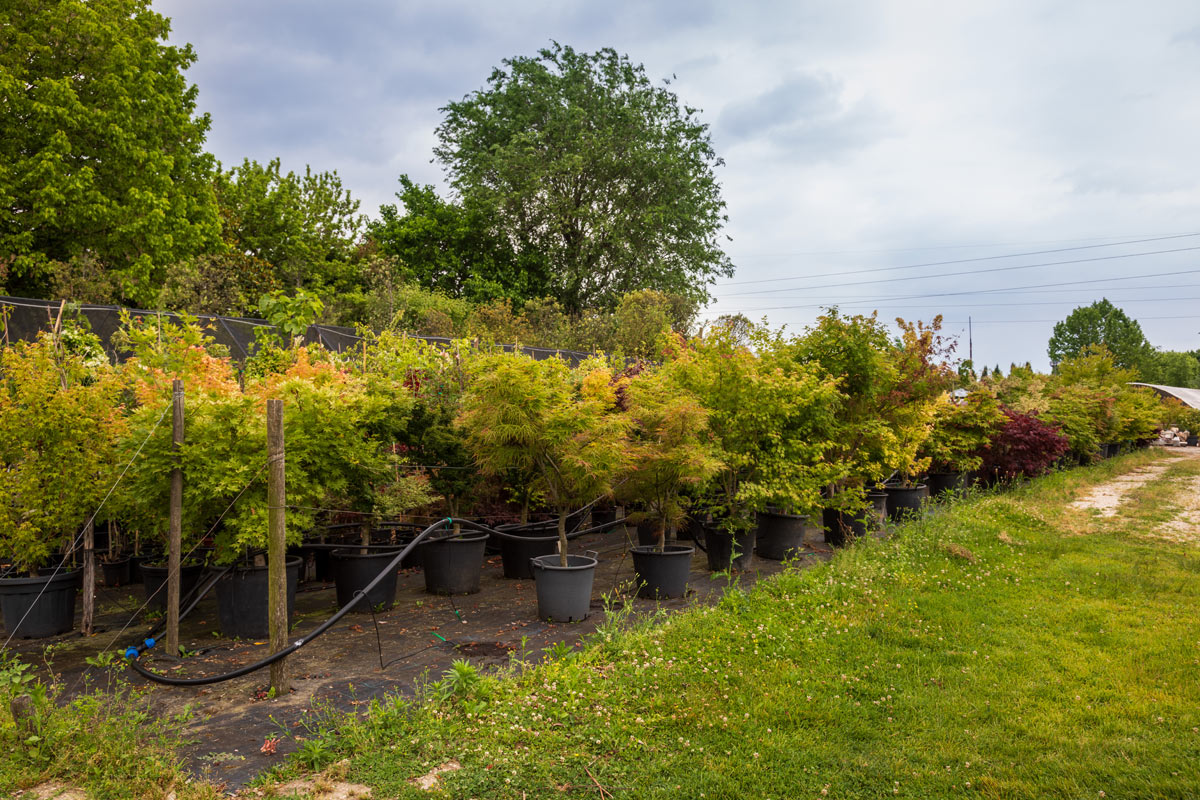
564,594
728,551
662,574
39,606
905,501
242,599
353,570
780,535
844,526
453,565
154,580
940,483
515,553
116,572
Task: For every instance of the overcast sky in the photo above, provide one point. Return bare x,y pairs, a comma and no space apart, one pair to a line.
857,136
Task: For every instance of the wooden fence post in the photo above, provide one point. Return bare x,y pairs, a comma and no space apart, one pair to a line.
175,529
276,546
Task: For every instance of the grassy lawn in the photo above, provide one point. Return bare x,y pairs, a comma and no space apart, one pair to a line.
1009,647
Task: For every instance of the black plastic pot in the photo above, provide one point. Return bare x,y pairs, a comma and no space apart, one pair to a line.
1111,449
1193,440
242,600
603,516
941,482
686,530
115,573
136,562
154,580
878,508
662,574
842,526
779,535
905,501
352,570
564,594
727,551
40,606
647,533
453,565
515,554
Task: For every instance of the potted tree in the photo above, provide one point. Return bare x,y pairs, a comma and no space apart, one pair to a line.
59,422
769,414
962,428
562,427
670,450
856,353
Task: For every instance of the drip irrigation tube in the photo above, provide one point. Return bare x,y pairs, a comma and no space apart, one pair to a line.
134,652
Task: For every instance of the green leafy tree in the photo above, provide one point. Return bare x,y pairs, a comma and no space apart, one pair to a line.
305,226
1173,368
1101,323
670,448
580,161
770,415
961,431
542,418
101,149
453,248
59,425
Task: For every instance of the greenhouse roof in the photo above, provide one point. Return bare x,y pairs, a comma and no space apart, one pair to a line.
1187,396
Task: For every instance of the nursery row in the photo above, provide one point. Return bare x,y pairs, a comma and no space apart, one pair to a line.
721,427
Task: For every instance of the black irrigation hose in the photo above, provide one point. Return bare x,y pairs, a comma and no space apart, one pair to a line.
132,653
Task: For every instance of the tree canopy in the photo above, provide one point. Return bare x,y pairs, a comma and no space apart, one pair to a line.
586,166
101,149
1101,323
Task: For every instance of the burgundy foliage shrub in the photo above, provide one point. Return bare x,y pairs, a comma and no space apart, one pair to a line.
1024,447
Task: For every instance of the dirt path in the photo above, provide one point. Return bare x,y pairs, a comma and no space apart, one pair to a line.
1107,497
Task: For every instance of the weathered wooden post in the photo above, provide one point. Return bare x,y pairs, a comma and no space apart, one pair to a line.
89,579
175,523
276,547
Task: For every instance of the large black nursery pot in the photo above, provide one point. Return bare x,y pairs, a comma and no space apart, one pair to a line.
878,508
662,574
154,583
353,570
516,552
726,550
1192,440
564,594
453,564
940,483
603,516
842,526
780,535
116,572
39,606
905,501
242,599
647,533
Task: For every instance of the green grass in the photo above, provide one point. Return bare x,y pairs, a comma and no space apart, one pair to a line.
105,741
943,662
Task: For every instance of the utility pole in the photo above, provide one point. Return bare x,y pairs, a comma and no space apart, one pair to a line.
970,342
276,549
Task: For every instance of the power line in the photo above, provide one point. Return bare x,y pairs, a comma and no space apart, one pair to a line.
964,272
981,291
995,305
963,260
794,253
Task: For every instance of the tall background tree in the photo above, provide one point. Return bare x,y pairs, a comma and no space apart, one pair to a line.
101,149
1102,323
585,165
